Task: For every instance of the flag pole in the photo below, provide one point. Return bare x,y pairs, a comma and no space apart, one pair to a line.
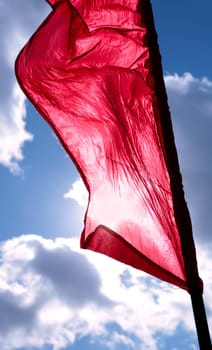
182,216
200,320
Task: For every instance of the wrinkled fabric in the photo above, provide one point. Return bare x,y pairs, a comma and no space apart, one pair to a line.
87,71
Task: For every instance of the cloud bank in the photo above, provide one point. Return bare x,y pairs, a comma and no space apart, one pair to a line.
50,291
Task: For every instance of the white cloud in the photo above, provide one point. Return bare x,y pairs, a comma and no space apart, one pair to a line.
18,20
50,290
78,192
13,134
185,83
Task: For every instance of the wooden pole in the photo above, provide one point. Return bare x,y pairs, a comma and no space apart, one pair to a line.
182,216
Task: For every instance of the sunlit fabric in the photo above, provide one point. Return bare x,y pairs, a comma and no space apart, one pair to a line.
87,71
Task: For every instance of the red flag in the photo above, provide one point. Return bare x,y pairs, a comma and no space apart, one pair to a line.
88,70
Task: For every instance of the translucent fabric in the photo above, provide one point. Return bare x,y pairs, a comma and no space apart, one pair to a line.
87,71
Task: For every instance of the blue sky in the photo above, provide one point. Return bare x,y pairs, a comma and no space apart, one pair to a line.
52,294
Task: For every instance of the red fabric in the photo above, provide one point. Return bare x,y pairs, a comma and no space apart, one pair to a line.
87,71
